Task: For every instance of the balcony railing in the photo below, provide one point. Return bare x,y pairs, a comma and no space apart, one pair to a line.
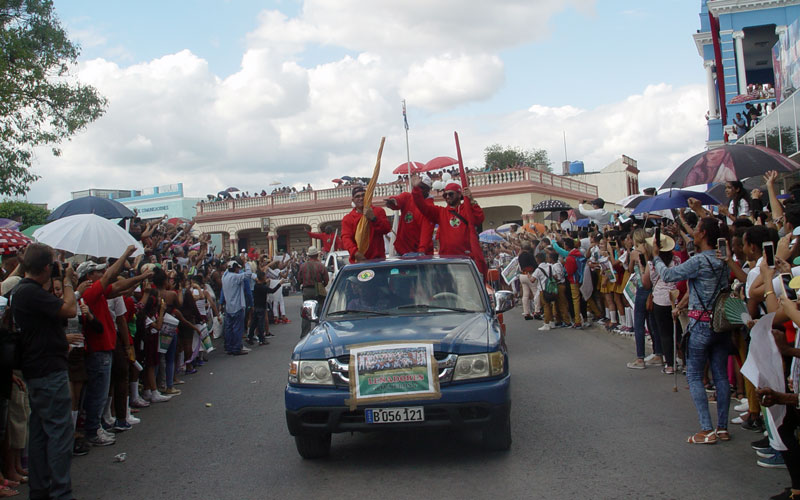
778,130
476,179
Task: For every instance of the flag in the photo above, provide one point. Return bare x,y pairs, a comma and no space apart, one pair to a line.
363,230
405,117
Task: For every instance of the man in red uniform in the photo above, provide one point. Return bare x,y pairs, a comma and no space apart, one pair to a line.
378,226
415,231
327,239
454,230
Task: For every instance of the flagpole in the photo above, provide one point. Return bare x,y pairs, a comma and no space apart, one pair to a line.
408,151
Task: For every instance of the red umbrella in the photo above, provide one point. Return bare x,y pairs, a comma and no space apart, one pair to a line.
12,241
403,168
176,221
439,162
337,181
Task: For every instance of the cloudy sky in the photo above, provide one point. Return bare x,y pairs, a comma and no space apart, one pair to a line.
243,93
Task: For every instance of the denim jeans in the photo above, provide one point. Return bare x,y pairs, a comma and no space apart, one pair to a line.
257,323
706,345
51,436
641,316
234,328
169,361
98,369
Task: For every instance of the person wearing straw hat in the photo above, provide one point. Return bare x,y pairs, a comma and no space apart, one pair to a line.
313,276
378,226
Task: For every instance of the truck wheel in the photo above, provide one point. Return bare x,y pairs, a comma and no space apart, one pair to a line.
497,435
313,445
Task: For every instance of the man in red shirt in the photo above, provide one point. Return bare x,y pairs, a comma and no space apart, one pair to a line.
378,226
327,239
454,229
414,232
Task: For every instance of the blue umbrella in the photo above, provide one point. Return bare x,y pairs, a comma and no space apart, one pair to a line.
583,222
676,198
490,236
103,207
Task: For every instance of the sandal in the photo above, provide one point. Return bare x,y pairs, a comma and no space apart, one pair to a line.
723,434
703,437
6,492
668,370
10,484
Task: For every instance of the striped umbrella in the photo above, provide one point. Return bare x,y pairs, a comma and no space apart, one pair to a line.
12,241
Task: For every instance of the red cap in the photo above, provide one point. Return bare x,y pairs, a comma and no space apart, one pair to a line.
453,186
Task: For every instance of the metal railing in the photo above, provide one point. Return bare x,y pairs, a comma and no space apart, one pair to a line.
476,179
778,130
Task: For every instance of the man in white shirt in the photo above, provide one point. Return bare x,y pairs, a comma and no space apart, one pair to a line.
597,214
563,220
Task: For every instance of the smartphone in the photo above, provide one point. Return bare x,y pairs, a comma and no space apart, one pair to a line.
169,265
642,260
690,248
790,292
769,253
55,270
658,236
722,246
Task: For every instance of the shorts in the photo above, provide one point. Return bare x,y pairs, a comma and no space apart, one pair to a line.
76,361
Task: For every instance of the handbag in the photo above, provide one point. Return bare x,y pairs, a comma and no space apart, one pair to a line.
321,290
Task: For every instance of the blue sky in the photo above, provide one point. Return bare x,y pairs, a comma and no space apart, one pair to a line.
617,76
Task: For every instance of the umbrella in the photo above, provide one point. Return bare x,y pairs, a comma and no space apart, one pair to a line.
632,201
29,231
505,228
551,206
337,181
490,236
347,178
10,224
728,163
87,234
439,162
12,241
176,221
103,207
676,198
583,222
232,190
274,183
535,227
403,168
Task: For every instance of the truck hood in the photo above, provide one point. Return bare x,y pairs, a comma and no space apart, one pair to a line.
458,333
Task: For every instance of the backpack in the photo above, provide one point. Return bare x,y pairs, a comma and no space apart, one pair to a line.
550,287
581,265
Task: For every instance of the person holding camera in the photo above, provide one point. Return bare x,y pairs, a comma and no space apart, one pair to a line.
39,315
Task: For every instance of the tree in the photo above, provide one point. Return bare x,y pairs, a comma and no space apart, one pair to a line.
22,211
498,157
40,102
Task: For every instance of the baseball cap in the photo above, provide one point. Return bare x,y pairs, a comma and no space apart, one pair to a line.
426,180
88,267
232,264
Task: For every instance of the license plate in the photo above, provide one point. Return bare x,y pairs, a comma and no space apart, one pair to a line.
394,415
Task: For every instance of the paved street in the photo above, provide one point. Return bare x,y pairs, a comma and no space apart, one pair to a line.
583,426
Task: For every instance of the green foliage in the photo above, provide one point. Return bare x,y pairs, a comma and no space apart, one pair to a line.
499,157
40,102
27,213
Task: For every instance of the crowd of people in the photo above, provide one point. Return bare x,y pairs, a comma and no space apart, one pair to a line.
662,276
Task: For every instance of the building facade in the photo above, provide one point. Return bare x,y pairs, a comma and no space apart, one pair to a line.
735,42
615,181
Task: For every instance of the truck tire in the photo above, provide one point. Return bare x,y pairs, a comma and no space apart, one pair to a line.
313,445
497,435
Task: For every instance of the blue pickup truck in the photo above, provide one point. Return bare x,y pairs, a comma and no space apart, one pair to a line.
399,318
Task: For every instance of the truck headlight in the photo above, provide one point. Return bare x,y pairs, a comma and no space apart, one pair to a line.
479,365
311,372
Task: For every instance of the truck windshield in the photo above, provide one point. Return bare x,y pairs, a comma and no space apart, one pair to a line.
419,288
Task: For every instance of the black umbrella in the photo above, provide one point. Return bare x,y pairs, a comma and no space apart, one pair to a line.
102,207
728,163
551,206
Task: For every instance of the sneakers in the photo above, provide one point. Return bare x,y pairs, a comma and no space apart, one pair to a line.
654,360
773,462
767,453
101,439
743,406
538,316
105,424
753,424
133,420
171,391
545,327
122,426
268,335
737,420
80,448
139,403
157,397
263,342
527,317
249,341
245,349
760,445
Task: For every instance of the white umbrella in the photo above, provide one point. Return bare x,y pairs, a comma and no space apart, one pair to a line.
87,234
632,201
506,227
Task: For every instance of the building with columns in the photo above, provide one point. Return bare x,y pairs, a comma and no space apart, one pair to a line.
281,222
735,42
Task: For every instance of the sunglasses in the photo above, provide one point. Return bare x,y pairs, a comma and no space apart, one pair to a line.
448,194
